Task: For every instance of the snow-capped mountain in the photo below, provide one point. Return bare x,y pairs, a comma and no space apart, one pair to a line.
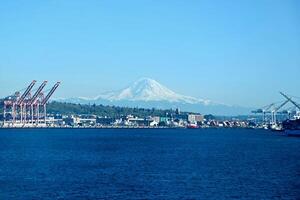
148,93
146,89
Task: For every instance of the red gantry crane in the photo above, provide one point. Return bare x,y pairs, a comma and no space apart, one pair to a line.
16,104
46,99
33,101
24,95
20,102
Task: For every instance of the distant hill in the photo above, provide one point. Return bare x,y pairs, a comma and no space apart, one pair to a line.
110,111
100,110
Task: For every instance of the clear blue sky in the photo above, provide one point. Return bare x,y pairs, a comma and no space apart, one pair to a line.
235,52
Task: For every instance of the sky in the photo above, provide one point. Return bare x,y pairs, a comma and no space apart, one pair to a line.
233,52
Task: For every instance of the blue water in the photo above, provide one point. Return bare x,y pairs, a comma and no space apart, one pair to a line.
148,164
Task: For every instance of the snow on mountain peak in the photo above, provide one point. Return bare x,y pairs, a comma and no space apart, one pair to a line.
148,93
146,89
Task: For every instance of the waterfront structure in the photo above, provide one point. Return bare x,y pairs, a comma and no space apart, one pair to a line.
106,121
85,120
193,118
273,114
26,109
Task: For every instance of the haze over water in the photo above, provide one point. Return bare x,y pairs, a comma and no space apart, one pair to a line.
148,164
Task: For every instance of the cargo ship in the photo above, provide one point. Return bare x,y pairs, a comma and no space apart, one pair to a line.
292,126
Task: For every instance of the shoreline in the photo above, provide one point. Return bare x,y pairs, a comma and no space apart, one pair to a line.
126,127
104,127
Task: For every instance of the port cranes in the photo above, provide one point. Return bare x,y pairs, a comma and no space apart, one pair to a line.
290,99
24,95
16,103
15,106
21,102
273,110
33,102
264,110
293,102
45,100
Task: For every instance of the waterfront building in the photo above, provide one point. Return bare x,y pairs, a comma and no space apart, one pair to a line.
84,120
195,118
105,121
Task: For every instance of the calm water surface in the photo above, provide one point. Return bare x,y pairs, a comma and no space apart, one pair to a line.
148,164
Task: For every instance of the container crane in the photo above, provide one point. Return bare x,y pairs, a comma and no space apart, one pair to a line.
274,112
24,95
290,99
45,100
34,98
36,94
263,111
266,110
20,101
15,106
293,102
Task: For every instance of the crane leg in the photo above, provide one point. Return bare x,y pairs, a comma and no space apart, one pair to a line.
38,114
45,113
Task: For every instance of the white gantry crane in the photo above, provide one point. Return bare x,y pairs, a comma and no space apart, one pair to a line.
293,102
275,110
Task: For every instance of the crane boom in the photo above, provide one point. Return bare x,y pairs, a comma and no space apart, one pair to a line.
290,99
36,94
269,106
24,95
264,109
276,109
50,93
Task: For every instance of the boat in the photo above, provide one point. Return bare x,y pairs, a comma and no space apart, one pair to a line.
277,127
292,126
192,126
